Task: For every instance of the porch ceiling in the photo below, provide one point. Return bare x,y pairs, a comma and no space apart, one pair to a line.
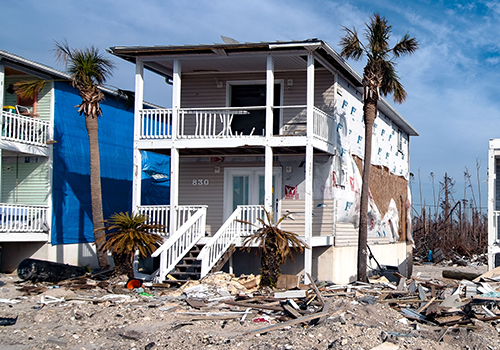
233,63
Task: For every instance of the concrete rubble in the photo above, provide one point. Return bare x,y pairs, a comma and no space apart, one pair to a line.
225,312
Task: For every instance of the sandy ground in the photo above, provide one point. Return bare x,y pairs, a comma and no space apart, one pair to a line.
83,319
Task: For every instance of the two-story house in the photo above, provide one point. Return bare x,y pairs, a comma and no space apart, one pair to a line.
44,178
274,125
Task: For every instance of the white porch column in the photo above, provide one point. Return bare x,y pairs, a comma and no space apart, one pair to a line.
309,166
174,152
492,222
139,104
268,174
2,85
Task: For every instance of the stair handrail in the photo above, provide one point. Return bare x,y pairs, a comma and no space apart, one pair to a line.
177,245
220,242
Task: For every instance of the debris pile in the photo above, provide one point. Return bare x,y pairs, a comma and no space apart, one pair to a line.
222,311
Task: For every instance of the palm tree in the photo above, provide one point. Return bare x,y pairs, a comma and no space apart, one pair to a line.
379,78
276,246
128,234
89,70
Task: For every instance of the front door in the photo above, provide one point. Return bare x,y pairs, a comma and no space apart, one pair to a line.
245,186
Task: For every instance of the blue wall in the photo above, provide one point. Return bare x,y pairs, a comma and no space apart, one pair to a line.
71,219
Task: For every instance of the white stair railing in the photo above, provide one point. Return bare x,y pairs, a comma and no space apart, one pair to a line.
160,214
179,244
227,234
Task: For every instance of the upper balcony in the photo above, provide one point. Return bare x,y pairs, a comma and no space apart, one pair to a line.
23,133
237,125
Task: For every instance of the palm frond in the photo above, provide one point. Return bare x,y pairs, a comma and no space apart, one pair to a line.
86,66
29,89
405,46
350,44
377,34
130,233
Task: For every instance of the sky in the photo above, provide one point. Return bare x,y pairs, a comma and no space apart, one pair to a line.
452,80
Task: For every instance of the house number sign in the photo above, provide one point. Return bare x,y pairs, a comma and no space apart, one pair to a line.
200,182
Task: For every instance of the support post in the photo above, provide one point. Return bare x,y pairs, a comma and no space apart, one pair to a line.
309,168
174,152
138,105
268,173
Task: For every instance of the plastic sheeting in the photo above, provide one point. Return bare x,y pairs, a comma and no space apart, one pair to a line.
155,179
349,199
71,219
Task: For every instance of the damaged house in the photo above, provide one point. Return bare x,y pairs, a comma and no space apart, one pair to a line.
45,206
275,125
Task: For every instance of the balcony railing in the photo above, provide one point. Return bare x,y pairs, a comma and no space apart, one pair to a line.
24,129
17,218
216,123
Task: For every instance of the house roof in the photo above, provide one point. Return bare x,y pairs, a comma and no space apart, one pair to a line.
39,70
233,56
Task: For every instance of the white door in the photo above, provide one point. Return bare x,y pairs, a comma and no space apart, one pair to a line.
245,186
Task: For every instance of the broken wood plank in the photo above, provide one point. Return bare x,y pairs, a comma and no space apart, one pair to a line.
294,313
426,305
288,323
316,290
459,275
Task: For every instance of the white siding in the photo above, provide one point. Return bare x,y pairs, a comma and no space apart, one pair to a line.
323,214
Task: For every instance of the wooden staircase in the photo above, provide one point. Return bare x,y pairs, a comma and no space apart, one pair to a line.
189,268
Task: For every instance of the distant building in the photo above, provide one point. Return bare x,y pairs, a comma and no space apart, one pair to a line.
45,195
273,124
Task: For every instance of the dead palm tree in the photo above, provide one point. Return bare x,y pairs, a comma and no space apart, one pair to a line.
89,70
128,234
379,78
276,246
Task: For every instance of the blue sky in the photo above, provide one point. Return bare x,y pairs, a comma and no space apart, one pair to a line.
452,80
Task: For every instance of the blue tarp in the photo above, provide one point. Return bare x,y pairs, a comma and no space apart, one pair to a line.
155,179
71,219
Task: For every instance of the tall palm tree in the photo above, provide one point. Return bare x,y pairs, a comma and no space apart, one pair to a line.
89,70
379,78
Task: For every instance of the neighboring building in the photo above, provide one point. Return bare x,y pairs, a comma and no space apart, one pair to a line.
493,204
45,184
277,124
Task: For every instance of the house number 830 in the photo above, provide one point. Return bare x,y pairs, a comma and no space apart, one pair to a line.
200,182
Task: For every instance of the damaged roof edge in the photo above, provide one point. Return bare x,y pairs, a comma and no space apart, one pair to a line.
129,53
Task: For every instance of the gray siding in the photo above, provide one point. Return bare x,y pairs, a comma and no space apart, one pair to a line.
323,214
25,180
211,194
200,91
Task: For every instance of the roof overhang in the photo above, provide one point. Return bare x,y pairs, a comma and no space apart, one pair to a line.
249,57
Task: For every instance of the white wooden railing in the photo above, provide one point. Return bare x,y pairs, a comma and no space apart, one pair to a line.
24,129
179,244
16,218
160,214
324,126
496,225
227,234
215,123
156,123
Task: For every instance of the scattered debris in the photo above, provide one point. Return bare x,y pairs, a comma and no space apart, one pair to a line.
222,311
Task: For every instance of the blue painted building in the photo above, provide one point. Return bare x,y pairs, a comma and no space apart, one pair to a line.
45,202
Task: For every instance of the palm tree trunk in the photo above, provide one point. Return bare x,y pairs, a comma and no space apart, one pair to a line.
92,126
370,113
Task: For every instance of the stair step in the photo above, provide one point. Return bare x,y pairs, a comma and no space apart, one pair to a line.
188,265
